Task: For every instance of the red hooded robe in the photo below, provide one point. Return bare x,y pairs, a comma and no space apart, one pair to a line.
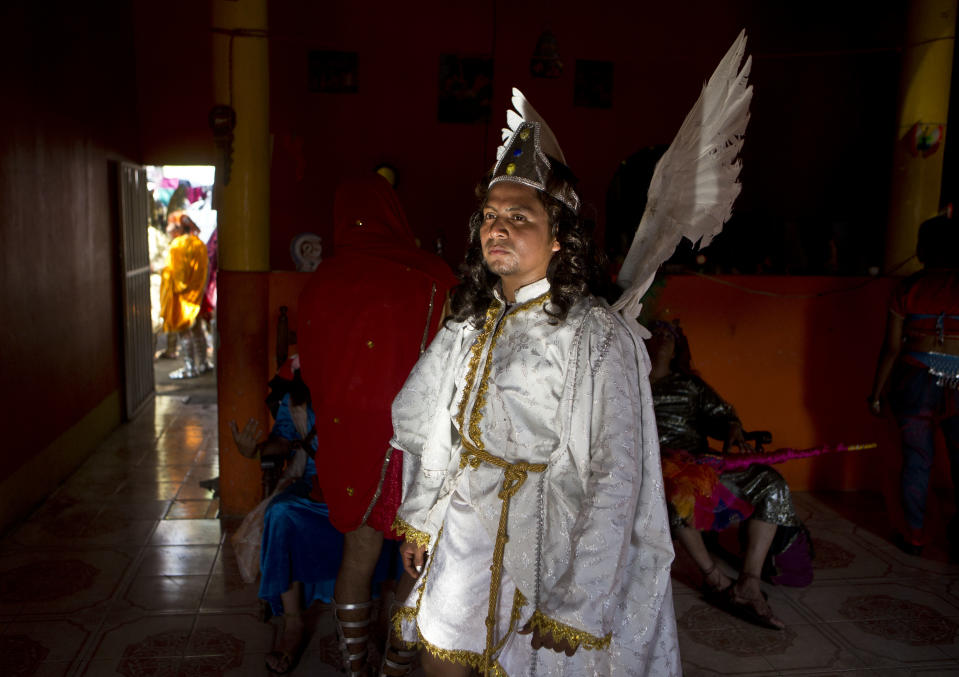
363,317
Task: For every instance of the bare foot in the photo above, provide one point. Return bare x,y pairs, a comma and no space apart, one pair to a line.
282,659
752,604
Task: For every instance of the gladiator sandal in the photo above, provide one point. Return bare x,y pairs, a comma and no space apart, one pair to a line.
399,668
353,649
203,364
404,665
188,353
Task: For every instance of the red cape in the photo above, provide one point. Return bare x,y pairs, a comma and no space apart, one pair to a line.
363,316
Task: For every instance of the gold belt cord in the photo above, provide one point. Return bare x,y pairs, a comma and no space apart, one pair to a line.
514,476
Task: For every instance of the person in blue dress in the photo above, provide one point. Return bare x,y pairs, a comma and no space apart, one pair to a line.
301,551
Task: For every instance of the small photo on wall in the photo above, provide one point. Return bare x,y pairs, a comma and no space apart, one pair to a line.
334,72
465,89
593,84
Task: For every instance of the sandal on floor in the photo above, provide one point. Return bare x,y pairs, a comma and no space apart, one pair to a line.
286,658
746,609
348,645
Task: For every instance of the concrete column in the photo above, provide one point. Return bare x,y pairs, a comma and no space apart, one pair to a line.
241,80
923,97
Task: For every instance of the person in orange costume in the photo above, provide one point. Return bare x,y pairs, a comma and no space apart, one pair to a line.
365,316
181,292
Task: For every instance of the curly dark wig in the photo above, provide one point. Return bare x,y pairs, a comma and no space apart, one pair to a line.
576,270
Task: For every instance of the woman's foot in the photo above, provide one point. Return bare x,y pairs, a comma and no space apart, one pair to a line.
715,582
287,652
747,601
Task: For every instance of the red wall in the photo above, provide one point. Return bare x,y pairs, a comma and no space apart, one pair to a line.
818,148
63,125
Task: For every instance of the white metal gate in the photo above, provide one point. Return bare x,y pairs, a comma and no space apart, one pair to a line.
135,259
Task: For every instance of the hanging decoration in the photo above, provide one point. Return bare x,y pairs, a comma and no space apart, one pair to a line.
924,139
546,62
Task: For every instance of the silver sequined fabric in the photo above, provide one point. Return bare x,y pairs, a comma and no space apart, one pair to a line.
688,413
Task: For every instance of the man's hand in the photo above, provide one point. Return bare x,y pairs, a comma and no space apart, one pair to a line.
546,640
735,441
413,556
246,440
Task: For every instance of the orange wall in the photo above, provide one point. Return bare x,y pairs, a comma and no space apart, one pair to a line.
240,477
798,362
796,359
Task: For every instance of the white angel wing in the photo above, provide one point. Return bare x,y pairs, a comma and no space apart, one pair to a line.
696,182
524,111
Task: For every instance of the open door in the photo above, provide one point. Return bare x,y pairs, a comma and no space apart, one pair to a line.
135,264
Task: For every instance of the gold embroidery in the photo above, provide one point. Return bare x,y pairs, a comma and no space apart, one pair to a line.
560,631
403,613
411,533
514,474
410,613
458,656
475,352
519,601
476,415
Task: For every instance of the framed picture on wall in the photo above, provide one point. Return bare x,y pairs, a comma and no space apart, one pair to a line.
593,86
333,72
465,89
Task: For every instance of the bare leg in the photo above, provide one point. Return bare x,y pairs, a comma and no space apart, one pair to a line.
291,634
747,589
435,667
713,577
361,549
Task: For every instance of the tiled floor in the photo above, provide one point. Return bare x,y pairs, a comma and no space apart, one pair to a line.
127,570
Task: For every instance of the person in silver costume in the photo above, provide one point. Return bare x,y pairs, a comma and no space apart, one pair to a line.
688,412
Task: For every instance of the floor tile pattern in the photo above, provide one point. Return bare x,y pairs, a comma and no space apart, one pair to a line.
127,569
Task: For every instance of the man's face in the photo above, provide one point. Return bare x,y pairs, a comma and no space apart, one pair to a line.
517,240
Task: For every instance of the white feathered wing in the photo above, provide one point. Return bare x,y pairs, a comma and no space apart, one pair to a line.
696,182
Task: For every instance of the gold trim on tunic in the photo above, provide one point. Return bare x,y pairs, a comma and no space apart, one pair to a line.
575,637
411,533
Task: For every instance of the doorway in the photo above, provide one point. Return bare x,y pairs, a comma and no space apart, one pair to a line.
180,200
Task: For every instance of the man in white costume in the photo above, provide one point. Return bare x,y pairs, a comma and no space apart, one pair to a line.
533,504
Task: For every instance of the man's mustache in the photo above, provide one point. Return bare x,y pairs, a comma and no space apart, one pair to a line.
489,245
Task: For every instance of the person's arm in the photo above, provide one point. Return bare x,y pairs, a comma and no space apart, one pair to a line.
423,432
720,420
891,347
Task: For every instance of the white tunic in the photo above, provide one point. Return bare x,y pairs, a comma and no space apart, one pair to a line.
586,542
